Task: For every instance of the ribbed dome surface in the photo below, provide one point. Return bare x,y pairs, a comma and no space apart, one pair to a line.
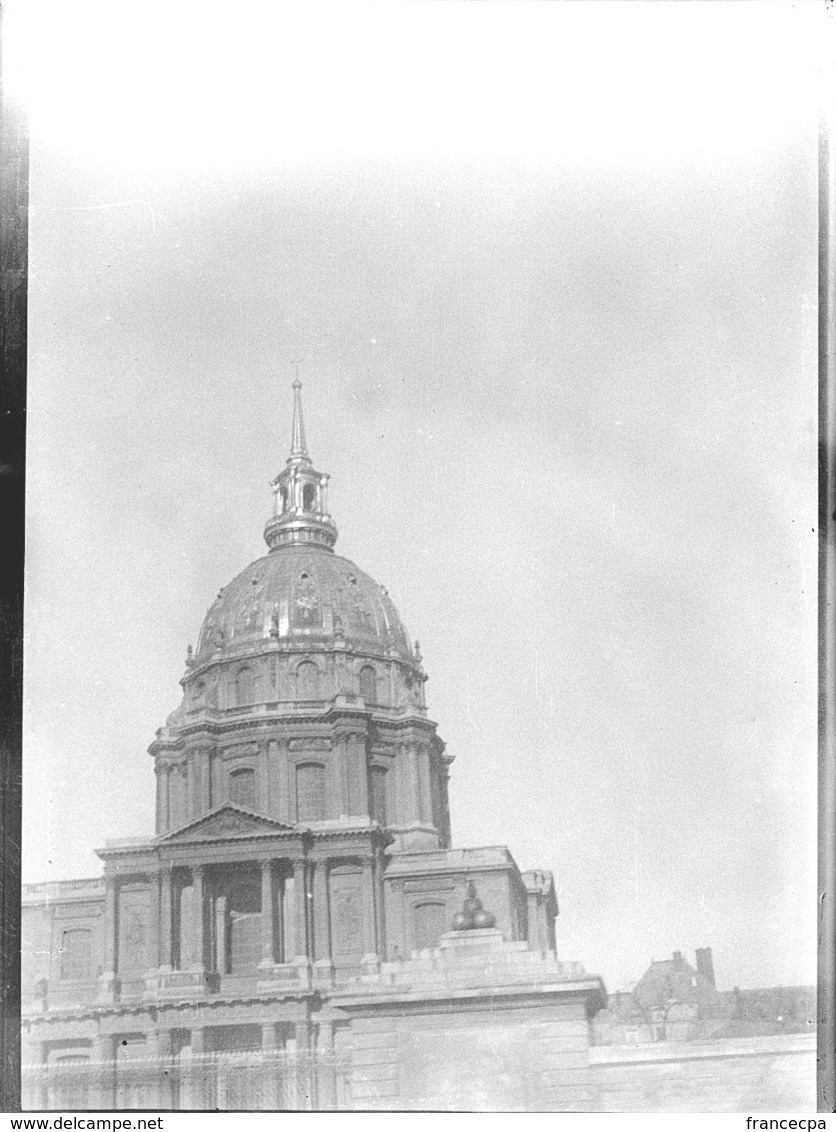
305,594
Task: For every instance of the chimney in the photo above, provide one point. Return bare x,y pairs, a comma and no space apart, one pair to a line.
677,959
705,966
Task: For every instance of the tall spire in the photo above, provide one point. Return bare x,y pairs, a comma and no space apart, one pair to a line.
298,447
300,493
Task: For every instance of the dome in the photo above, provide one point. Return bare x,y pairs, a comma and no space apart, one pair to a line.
306,595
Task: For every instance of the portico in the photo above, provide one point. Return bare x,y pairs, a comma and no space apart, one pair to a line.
236,899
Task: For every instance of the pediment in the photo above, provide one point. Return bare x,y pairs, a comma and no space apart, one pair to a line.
224,824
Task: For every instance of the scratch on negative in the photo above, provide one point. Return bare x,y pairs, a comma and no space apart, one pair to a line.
115,204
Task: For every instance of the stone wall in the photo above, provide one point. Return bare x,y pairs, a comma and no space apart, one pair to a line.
472,1057
477,1024
766,1074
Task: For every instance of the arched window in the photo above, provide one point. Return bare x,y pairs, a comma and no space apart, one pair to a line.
244,687
307,681
308,497
310,792
368,684
429,923
76,953
242,787
283,496
380,810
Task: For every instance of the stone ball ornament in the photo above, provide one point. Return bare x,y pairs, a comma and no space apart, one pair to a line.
473,915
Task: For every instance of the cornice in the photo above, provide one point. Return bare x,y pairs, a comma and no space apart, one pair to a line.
155,1006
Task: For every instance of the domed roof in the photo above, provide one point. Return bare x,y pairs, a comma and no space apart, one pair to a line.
303,593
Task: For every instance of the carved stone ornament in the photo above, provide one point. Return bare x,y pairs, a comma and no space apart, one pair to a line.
473,915
307,600
241,751
309,744
227,823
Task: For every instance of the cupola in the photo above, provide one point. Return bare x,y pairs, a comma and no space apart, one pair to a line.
300,495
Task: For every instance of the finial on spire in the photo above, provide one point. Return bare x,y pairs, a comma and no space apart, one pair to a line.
298,447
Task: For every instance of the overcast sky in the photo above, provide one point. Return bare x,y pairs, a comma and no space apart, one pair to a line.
552,271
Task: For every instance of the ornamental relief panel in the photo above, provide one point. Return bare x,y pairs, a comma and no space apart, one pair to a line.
307,610
248,612
352,603
76,911
311,743
346,916
133,930
240,751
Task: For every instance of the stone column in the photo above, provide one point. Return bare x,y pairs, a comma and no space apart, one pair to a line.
303,1065
414,783
158,1052
268,946
300,929
379,909
287,805
165,779
196,1078
269,1067
159,827
424,788
326,1077
198,917
369,925
107,979
288,950
358,774
340,757
400,815
166,919
262,768
271,774
207,778
321,913
154,920
220,936
110,925
334,785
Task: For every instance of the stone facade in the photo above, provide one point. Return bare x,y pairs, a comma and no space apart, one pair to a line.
283,941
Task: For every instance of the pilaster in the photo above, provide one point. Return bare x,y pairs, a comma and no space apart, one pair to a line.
326,1077
198,920
104,1073
108,985
268,943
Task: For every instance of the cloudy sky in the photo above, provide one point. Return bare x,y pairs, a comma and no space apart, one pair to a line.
552,271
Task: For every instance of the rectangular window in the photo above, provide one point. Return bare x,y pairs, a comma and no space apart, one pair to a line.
310,792
76,953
